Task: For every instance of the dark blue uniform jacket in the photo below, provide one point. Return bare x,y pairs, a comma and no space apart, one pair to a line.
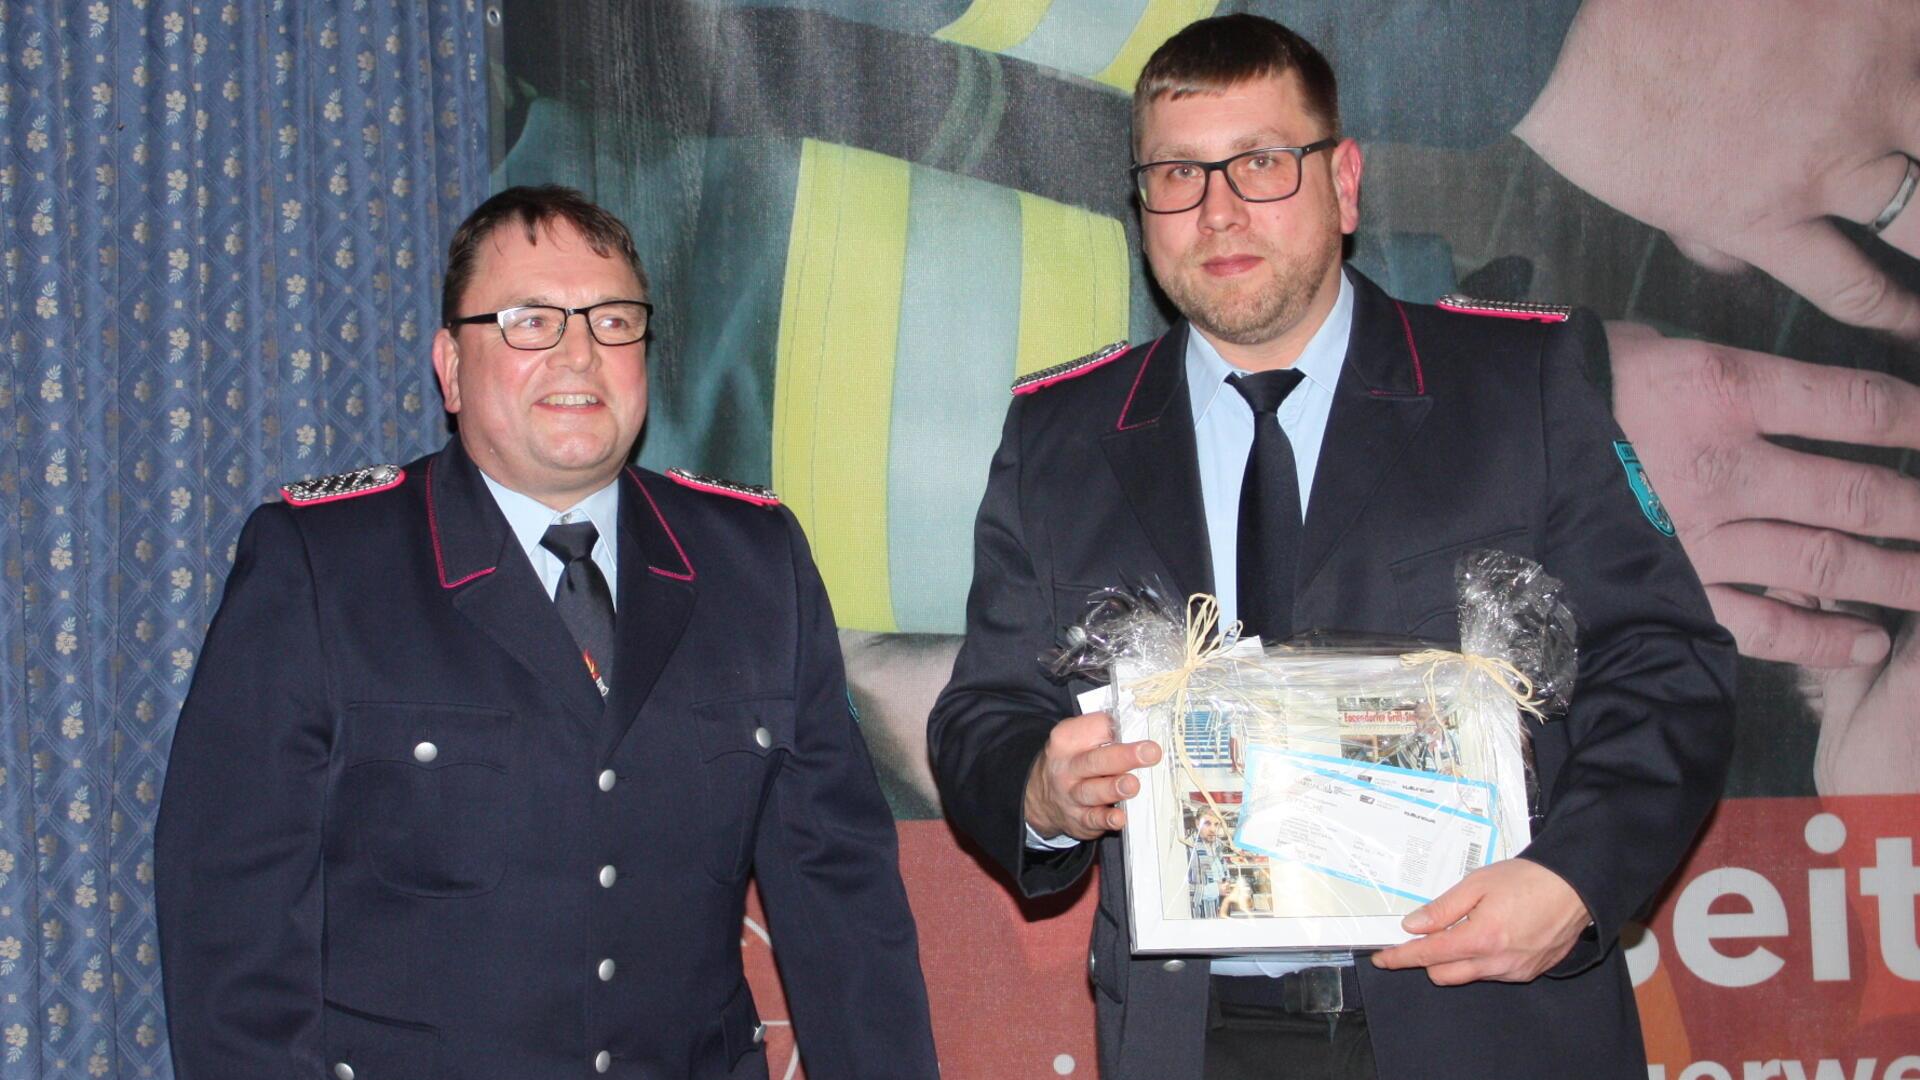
1449,432
329,891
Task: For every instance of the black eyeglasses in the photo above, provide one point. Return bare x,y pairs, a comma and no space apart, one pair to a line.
539,326
1268,174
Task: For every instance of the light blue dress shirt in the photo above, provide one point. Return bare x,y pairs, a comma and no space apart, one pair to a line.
1223,433
528,517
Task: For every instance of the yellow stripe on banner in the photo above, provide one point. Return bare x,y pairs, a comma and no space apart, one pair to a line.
1161,20
995,25
1073,282
833,376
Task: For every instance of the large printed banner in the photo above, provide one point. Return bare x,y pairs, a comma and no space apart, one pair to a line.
863,220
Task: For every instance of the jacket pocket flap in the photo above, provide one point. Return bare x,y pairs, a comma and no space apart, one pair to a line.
377,1048
1424,586
751,725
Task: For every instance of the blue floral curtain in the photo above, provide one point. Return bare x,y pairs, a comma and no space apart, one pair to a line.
222,230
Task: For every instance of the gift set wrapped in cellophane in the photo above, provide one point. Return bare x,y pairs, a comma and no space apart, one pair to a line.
1313,792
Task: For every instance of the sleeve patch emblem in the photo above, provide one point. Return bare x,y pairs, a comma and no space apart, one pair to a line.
1650,504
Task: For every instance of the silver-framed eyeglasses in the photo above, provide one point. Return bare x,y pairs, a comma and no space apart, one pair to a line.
540,326
1266,174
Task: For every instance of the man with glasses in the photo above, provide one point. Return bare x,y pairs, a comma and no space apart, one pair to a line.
427,811
1318,455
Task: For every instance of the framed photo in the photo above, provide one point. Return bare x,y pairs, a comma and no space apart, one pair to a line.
1308,799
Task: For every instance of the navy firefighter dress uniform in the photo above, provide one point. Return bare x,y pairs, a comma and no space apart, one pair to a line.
403,835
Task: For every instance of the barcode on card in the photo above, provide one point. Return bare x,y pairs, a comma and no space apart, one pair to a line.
1475,855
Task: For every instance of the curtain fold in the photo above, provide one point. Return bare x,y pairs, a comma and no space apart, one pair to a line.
223,230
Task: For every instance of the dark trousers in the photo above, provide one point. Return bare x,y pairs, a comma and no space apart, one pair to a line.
1255,1041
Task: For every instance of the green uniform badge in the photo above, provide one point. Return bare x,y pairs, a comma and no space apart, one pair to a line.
1642,487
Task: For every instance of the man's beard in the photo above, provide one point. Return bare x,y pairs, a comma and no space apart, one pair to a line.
1239,315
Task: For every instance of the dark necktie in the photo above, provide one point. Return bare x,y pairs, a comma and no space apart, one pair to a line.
1269,530
583,599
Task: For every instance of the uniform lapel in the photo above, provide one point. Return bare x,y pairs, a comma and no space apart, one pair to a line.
481,564
1378,406
1151,451
657,593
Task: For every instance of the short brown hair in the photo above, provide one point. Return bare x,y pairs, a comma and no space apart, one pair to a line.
1213,54
533,207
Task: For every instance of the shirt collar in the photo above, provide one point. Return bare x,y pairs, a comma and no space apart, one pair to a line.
529,517
1320,361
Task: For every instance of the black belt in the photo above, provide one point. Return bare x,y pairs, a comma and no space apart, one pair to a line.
1314,990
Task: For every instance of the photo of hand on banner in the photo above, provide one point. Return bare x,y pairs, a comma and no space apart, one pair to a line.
1802,553
1755,513
1868,745
1744,129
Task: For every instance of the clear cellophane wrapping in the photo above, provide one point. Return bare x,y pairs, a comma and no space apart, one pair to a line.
1315,791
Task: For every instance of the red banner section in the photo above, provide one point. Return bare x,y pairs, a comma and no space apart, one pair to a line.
1786,946
1784,950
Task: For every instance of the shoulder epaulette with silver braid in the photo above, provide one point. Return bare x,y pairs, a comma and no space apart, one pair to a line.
346,485
1505,309
1027,384
733,489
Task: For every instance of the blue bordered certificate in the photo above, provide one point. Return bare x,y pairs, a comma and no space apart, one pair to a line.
1381,836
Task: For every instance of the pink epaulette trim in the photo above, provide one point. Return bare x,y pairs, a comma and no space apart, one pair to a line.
1505,309
1045,377
732,489
346,485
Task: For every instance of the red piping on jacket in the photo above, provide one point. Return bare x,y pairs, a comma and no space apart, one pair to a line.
1121,424
662,519
1419,374
433,527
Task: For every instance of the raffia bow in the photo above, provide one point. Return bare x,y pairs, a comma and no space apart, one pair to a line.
1511,680
1205,645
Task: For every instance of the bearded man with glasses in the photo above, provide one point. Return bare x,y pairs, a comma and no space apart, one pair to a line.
427,810
1318,454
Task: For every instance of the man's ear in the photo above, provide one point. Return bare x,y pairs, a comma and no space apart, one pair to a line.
1348,165
446,365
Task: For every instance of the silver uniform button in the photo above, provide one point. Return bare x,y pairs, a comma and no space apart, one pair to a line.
1174,965
763,737
1091,967
602,1061
606,971
343,1070
759,1034
606,779
423,752
608,875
